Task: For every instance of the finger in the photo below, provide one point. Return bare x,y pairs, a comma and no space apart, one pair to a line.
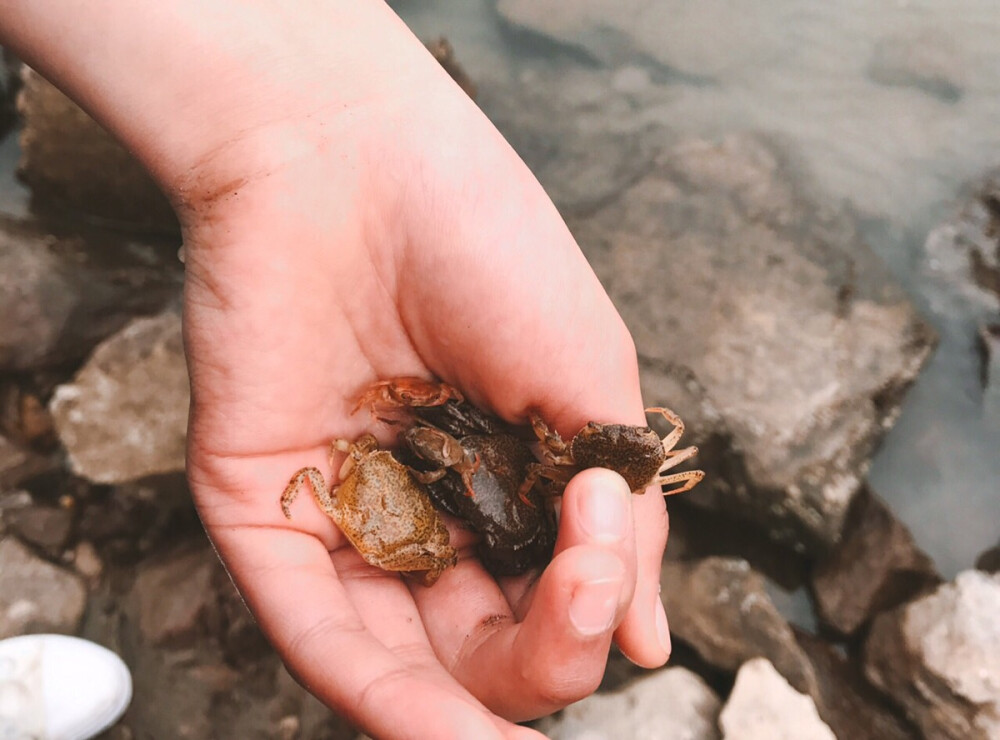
595,509
291,585
557,655
643,636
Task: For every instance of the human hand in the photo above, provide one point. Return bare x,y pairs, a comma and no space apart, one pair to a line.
350,217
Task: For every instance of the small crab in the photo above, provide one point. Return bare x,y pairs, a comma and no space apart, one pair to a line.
405,392
636,453
381,508
387,400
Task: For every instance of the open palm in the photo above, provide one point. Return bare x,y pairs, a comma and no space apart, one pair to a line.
425,251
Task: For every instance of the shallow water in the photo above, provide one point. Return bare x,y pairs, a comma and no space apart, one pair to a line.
818,75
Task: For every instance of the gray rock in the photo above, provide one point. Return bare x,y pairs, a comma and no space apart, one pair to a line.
939,658
763,706
989,560
989,345
177,598
876,567
671,704
70,162
46,527
59,297
124,415
964,251
698,40
719,606
846,701
17,464
925,60
761,318
569,143
36,596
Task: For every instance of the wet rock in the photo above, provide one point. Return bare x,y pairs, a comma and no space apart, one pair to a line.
59,297
876,567
763,706
566,141
18,464
846,701
989,348
939,658
719,606
761,318
176,597
70,162
87,562
36,596
443,52
964,251
672,704
925,60
124,415
693,40
46,527
24,418
989,560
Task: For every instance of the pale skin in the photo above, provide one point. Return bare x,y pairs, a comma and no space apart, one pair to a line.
349,215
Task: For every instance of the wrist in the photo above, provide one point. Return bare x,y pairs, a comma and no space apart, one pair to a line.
207,94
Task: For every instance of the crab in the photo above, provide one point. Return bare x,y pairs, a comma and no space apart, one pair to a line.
636,453
517,532
404,392
382,508
388,399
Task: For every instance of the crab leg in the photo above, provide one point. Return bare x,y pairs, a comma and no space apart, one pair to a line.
315,479
690,479
676,457
553,446
675,436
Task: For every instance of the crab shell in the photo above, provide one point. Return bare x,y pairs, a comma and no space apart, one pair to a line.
635,453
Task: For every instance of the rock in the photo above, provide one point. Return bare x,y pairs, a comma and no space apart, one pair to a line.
45,527
846,701
124,415
698,40
87,562
925,60
989,347
70,162
761,318
10,83
719,606
763,706
60,297
964,251
443,52
876,567
24,418
670,704
939,658
989,560
580,162
176,597
36,596
18,464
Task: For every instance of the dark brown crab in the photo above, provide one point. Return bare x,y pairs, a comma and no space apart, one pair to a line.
517,531
636,453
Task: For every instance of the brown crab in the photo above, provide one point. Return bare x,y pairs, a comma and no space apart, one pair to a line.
382,508
636,453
